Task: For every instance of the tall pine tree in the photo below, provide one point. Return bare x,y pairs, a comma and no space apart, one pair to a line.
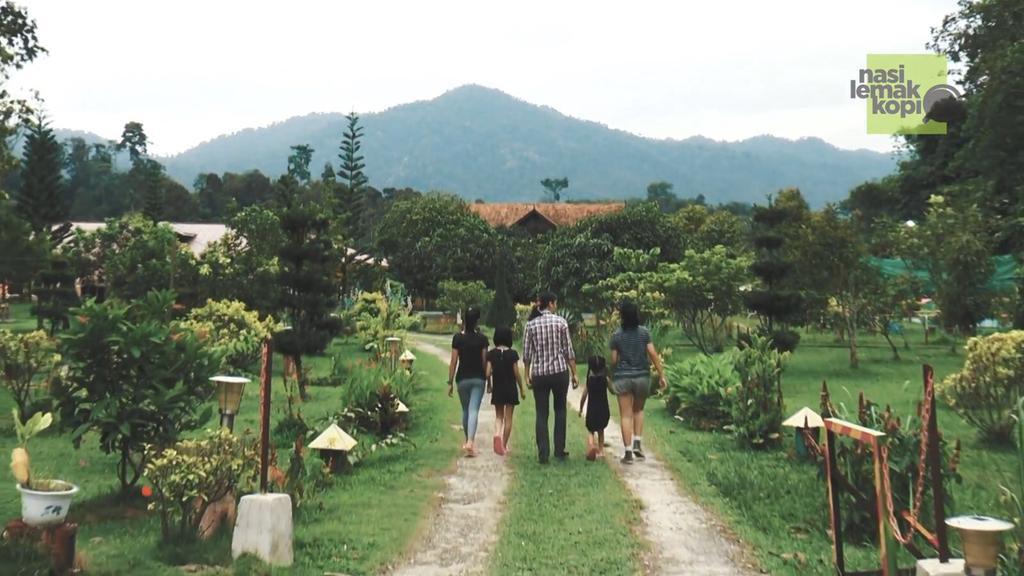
350,173
41,199
307,262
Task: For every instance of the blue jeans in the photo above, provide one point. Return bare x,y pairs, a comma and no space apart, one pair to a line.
471,394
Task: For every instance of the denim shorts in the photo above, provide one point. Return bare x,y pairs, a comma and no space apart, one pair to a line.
638,386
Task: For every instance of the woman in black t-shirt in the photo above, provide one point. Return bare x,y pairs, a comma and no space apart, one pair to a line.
505,383
469,349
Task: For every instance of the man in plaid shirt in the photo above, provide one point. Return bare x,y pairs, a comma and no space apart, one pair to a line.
550,364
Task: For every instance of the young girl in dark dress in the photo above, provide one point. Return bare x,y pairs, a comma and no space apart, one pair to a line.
598,413
505,383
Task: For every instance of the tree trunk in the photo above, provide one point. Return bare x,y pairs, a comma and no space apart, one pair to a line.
301,378
852,329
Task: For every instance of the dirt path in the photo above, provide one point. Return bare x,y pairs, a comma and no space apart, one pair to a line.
684,538
461,534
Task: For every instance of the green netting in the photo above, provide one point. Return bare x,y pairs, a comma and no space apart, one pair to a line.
1004,277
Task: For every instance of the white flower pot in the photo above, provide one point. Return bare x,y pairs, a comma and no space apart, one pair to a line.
40,508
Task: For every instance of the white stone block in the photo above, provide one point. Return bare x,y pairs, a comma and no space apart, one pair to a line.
932,567
264,528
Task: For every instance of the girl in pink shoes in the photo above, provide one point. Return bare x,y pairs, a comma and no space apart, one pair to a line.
598,413
505,383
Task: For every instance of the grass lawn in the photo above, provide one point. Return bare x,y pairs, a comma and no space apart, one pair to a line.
778,505
564,518
21,319
363,522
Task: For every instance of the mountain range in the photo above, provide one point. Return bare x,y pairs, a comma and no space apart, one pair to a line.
484,144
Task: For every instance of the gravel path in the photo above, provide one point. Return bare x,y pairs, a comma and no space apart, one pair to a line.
684,538
463,529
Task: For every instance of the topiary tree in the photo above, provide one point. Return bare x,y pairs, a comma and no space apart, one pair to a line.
775,302
134,378
503,310
54,290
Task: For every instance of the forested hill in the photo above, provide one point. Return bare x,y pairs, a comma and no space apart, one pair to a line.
482,143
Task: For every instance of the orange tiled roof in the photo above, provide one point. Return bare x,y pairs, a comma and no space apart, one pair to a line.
506,215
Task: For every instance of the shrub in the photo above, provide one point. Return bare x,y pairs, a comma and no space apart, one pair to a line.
370,397
985,391
23,358
378,317
134,378
231,329
757,410
701,390
192,474
1013,498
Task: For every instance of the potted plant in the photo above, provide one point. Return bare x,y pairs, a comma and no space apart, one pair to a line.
43,502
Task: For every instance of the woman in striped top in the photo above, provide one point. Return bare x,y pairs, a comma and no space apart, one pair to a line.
633,353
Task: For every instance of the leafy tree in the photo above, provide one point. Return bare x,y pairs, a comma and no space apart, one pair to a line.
149,175
574,257
248,188
243,264
661,194
180,205
135,141
701,229
213,199
298,162
19,45
22,255
54,291
641,226
308,294
328,174
95,190
233,331
457,297
952,245
554,187
134,256
433,238
41,199
503,309
26,361
702,291
134,379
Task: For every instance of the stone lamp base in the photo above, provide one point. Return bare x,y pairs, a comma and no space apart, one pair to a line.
264,528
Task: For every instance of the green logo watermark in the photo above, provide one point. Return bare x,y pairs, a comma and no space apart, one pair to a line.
901,92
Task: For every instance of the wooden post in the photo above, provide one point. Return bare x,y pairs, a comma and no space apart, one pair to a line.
265,379
935,467
886,547
834,515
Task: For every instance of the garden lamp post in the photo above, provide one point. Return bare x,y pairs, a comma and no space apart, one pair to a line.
229,398
807,423
982,538
393,342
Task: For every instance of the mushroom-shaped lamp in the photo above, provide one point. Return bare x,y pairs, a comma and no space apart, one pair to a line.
807,422
407,358
401,408
334,445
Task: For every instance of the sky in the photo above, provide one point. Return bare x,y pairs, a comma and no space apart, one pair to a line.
728,70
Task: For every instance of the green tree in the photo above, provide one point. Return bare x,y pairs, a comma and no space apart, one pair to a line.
953,246
149,176
135,141
243,264
134,256
702,291
22,255
661,194
19,45
554,186
298,162
574,257
456,297
433,238
641,226
213,198
307,258
134,379
350,172
41,199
